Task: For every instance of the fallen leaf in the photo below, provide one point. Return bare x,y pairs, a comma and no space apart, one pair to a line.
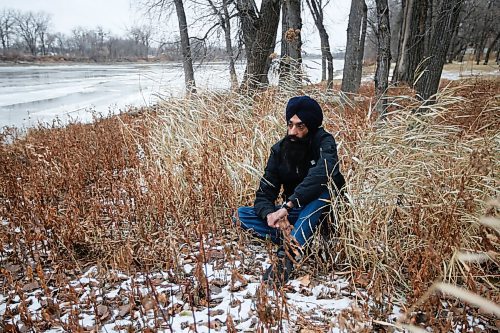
217,312
9,328
147,303
362,280
174,309
214,290
215,324
237,277
102,312
305,280
231,328
163,299
13,268
123,311
215,301
31,286
218,283
234,303
215,254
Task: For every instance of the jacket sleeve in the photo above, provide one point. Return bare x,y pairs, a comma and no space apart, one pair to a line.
269,187
317,178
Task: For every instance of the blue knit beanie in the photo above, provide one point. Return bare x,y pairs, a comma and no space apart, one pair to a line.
307,109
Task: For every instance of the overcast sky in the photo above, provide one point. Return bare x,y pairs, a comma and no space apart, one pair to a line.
117,15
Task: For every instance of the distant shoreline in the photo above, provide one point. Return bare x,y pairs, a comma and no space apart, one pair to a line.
21,60
55,60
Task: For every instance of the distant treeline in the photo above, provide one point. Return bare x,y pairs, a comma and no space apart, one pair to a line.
27,35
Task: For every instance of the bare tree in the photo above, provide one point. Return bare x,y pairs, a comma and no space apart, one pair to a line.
428,83
60,43
50,41
222,12
477,29
186,47
79,41
383,54
411,41
490,47
259,29
141,35
488,28
27,28
7,22
356,33
396,23
497,59
162,7
316,7
291,42
42,20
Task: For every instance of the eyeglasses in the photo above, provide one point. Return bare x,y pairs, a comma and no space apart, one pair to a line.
300,126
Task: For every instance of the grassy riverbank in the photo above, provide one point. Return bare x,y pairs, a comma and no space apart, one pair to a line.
151,192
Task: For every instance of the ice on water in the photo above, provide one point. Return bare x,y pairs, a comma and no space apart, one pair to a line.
32,94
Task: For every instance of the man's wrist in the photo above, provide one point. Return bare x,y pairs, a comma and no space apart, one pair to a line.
287,206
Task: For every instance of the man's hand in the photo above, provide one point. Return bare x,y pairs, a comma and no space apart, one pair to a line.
273,219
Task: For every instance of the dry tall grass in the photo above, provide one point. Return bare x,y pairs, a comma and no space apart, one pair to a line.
135,192
420,183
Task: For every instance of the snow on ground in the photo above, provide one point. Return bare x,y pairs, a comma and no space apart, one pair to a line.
131,302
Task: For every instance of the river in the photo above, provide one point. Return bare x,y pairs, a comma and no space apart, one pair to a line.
30,94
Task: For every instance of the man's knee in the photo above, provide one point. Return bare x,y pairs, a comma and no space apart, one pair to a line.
242,214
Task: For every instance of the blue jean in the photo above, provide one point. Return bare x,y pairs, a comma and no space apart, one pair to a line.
304,219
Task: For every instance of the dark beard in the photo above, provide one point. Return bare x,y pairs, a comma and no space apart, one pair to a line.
295,150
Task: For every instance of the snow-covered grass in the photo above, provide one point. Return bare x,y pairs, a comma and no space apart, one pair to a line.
114,301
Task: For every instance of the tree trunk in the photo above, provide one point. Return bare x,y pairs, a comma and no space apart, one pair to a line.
458,53
248,19
229,46
490,47
354,47
225,22
291,43
428,25
364,26
187,60
383,54
488,21
411,47
323,67
396,24
326,54
480,48
453,45
428,83
259,36
42,44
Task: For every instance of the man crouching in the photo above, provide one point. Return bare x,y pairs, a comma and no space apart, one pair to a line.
302,163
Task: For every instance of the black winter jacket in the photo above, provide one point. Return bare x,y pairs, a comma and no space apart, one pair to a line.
306,182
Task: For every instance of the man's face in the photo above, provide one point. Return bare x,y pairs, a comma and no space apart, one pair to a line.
296,128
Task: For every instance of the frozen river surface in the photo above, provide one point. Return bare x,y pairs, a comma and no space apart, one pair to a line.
30,94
